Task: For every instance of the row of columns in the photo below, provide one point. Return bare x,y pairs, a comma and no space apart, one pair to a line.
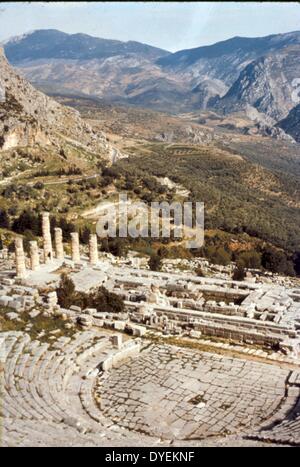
48,251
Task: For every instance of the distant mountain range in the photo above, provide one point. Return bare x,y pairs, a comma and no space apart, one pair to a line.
228,76
50,43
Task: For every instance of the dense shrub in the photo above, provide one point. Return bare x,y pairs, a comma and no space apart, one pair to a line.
84,235
66,291
199,271
115,246
249,259
101,299
277,261
4,219
239,274
217,255
296,261
155,262
27,221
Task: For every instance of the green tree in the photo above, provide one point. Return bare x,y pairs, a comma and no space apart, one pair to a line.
277,261
155,262
107,301
28,220
296,260
84,235
218,255
115,246
199,271
250,259
239,273
66,292
4,219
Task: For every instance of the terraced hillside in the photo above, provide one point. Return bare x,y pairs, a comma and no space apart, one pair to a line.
249,183
239,194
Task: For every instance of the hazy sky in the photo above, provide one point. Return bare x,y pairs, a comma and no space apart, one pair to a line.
172,26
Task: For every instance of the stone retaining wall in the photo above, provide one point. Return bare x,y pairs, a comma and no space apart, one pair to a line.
114,359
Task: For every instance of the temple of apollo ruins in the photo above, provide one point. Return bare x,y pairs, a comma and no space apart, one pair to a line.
245,312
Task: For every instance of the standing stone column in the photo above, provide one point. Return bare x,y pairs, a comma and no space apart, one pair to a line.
93,249
34,256
75,247
20,258
59,247
48,253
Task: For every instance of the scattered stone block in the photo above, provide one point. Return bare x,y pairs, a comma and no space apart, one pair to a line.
34,313
119,325
12,316
16,305
6,281
85,320
195,334
88,311
5,301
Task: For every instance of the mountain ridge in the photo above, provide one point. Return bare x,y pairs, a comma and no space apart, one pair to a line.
52,43
230,45
266,84
227,76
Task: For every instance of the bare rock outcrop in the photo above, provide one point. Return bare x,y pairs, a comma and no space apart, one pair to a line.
29,117
291,124
266,84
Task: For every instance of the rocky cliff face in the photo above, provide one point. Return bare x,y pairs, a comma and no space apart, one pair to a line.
82,65
225,76
291,124
206,91
29,117
266,84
